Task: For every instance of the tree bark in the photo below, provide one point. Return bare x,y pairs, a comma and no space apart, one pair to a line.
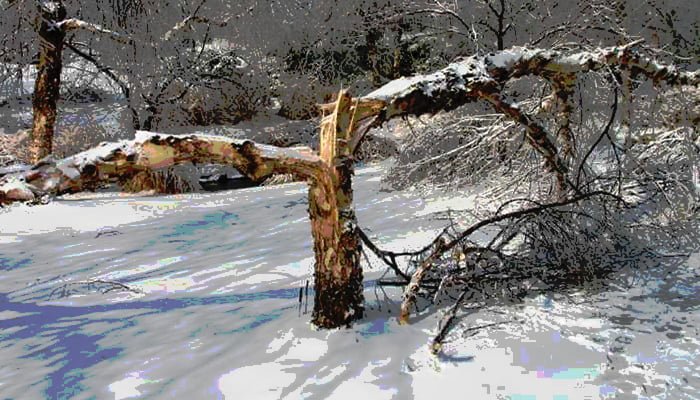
501,33
334,226
338,299
564,92
338,275
48,80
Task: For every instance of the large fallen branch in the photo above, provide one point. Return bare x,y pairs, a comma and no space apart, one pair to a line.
120,161
461,82
472,78
482,77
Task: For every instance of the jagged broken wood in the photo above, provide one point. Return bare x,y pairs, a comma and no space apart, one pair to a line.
474,78
338,276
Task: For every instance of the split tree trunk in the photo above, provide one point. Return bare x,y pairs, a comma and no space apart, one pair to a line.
338,276
338,298
48,81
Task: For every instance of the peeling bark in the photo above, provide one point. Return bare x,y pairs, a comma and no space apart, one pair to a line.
334,226
114,162
338,275
339,298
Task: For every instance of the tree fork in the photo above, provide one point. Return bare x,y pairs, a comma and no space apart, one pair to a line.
334,226
339,298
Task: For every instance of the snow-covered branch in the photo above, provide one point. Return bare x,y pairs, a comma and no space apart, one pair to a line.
111,162
481,77
460,82
188,22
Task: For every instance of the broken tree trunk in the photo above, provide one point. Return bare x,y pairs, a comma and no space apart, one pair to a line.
336,240
338,275
339,299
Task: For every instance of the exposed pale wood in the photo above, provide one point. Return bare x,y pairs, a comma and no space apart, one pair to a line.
338,275
114,162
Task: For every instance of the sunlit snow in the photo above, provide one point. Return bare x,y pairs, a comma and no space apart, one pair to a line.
215,311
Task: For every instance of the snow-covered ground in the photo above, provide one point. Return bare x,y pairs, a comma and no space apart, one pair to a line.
217,313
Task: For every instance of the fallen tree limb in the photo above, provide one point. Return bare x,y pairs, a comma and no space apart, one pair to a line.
447,321
333,224
117,162
442,247
469,79
481,77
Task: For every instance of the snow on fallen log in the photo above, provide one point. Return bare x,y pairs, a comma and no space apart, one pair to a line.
118,161
458,83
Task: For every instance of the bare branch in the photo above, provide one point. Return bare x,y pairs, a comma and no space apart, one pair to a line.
442,247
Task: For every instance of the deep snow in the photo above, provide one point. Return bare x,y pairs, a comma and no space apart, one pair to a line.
218,315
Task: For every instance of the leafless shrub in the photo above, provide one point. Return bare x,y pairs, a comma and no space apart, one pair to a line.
220,88
279,179
70,139
13,147
634,193
376,148
680,106
664,174
73,139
